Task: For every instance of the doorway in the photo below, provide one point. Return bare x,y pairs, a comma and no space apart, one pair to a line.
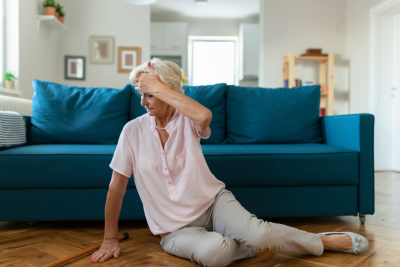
385,83
213,59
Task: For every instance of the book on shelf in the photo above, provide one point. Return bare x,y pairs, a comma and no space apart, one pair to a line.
305,83
322,112
297,82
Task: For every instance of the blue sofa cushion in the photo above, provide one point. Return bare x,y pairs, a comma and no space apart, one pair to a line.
273,116
77,115
57,166
86,166
136,109
212,97
282,165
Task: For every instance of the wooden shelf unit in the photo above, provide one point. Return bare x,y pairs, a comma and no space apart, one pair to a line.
325,78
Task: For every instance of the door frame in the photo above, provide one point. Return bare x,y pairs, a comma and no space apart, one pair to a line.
382,122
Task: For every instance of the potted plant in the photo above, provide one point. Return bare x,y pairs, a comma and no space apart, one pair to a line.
9,78
50,7
58,7
61,15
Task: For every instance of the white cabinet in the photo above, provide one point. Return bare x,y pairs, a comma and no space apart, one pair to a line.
157,35
169,35
249,50
176,35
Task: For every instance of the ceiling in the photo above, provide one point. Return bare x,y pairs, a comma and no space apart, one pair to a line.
221,9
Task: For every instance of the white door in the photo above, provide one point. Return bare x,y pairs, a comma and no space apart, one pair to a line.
395,94
384,64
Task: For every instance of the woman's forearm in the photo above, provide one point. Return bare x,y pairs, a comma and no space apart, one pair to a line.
187,106
113,208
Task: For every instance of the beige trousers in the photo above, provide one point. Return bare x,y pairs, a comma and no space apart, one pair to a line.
226,232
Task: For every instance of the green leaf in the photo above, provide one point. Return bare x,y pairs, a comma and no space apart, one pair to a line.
47,3
8,76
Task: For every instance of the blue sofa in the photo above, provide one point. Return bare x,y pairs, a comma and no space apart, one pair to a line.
269,146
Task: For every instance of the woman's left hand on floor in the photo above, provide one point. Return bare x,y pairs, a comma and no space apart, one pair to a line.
110,248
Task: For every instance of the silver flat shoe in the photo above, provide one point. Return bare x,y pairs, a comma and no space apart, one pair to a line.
360,243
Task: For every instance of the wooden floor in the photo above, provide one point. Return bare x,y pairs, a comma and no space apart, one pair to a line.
26,246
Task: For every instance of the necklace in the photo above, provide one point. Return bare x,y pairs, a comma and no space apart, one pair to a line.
161,129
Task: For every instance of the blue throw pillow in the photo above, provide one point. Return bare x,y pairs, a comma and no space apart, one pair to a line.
136,109
77,115
273,116
212,97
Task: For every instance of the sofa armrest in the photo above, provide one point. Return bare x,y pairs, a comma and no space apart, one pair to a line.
355,131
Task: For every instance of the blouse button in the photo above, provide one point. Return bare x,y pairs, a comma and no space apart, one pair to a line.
165,168
169,182
163,153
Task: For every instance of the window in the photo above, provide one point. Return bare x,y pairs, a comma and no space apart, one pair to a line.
213,60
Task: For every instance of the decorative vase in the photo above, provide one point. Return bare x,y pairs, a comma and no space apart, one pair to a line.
50,10
57,15
61,19
10,84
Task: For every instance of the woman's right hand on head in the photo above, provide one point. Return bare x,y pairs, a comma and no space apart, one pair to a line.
109,248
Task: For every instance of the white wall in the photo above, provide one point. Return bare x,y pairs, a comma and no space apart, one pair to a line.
37,51
11,41
296,25
29,55
207,26
128,24
357,43
214,28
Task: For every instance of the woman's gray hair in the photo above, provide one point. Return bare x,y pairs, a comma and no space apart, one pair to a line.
169,73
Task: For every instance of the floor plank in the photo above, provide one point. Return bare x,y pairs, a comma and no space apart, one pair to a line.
30,246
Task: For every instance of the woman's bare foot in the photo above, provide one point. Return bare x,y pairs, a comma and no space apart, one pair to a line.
338,242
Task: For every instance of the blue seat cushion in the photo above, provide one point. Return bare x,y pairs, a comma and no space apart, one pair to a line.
77,115
282,164
258,115
212,97
57,166
86,166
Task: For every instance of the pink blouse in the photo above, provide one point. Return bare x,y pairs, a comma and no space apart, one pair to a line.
175,184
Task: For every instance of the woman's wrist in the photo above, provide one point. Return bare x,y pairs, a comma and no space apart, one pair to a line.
110,238
160,89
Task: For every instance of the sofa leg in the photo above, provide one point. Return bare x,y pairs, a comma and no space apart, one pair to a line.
362,218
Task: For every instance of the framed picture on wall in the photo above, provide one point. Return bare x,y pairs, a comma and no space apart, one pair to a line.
75,68
101,49
128,58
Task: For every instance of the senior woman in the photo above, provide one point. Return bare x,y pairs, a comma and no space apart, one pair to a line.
184,203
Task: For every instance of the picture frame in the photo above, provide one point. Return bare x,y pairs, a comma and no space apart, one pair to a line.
128,58
74,67
101,49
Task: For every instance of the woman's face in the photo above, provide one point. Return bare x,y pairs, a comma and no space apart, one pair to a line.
153,105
